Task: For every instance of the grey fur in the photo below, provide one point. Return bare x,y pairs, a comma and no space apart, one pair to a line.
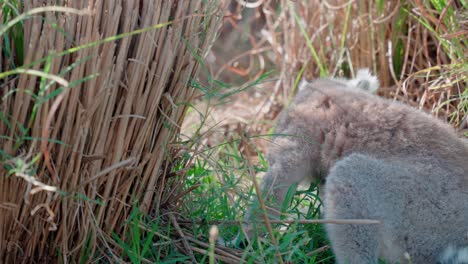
379,160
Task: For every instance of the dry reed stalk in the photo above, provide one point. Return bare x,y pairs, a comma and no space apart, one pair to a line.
115,128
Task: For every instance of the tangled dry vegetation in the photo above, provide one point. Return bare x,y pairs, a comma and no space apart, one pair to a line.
93,94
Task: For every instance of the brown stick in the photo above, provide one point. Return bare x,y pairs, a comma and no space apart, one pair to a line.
184,239
318,250
217,250
222,258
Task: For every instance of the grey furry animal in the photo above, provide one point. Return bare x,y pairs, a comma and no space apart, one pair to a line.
377,159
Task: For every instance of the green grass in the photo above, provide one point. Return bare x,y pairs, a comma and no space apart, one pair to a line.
140,244
13,42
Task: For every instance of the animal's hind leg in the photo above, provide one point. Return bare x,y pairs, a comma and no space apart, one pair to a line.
346,198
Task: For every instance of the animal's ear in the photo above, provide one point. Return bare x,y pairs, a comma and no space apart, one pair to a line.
302,85
366,81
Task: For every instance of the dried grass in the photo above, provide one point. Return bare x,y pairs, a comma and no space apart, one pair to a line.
111,127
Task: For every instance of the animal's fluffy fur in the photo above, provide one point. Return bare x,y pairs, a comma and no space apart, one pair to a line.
378,159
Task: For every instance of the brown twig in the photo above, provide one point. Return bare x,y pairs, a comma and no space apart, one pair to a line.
45,135
184,238
318,250
222,258
217,249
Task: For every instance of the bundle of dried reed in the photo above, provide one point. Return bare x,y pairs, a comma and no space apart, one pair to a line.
101,109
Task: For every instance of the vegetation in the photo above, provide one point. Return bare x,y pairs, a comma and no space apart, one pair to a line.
94,168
